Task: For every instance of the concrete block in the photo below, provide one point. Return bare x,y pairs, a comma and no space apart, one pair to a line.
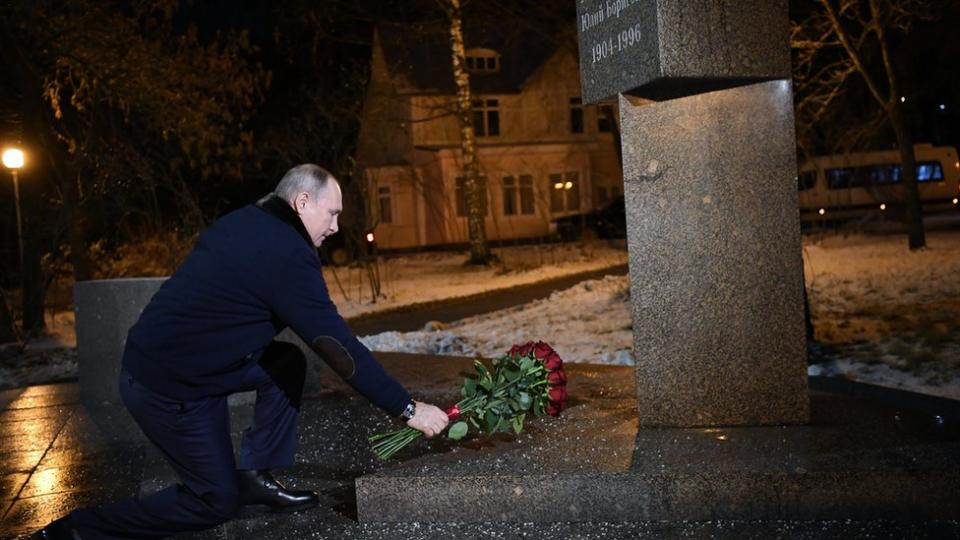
105,311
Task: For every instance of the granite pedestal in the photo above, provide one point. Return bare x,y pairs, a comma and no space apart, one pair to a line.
716,276
856,459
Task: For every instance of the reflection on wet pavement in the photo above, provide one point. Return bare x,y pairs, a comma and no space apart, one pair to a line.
30,423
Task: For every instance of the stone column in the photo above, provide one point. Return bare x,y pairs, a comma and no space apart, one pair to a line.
713,228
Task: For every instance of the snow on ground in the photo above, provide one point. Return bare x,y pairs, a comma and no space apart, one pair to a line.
589,322
405,280
882,315
886,315
425,277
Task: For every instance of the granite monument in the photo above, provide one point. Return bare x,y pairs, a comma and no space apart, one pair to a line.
713,229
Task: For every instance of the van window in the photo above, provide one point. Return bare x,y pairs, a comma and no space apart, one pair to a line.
879,175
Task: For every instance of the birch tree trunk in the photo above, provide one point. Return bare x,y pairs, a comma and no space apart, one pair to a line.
479,250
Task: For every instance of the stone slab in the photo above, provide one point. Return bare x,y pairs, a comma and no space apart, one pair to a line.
715,258
105,311
662,49
856,459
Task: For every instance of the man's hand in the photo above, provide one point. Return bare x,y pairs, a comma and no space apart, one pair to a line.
428,419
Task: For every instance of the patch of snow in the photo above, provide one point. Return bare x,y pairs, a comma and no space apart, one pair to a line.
589,322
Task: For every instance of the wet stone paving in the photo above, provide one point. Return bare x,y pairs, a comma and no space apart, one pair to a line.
55,455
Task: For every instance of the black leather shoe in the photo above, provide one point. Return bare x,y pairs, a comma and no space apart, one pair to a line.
58,530
259,488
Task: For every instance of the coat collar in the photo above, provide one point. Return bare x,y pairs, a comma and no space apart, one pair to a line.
280,209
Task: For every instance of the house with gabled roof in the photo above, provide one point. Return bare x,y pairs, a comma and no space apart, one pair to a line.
543,155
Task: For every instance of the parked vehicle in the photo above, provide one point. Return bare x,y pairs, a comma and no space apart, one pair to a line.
610,221
864,184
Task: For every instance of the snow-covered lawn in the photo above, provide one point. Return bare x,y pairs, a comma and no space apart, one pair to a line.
883,315
886,315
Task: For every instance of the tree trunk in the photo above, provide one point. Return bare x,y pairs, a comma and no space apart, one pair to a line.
479,250
8,329
34,289
79,258
908,177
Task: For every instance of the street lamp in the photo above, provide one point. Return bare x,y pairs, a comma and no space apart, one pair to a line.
13,159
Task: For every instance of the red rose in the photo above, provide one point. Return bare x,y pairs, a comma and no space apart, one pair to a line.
521,350
552,362
541,350
558,394
553,410
557,378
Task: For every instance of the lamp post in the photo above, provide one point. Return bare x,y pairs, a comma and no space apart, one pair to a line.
13,159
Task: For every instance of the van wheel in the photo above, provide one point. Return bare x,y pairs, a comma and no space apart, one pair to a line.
340,256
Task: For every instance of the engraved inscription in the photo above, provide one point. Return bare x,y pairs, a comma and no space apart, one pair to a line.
611,46
603,47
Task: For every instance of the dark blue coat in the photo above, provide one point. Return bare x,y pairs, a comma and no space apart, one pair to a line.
252,273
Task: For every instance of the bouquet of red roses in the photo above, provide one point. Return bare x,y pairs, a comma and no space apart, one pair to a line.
528,380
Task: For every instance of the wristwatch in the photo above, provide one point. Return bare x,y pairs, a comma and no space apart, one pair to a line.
409,411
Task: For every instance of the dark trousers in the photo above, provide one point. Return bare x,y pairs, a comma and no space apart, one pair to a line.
195,438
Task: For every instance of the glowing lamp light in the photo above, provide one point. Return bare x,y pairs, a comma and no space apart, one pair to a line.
721,437
13,158
370,237
568,185
822,211
903,99
943,107
883,206
558,185
955,200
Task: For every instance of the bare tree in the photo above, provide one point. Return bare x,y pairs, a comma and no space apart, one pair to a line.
479,250
841,38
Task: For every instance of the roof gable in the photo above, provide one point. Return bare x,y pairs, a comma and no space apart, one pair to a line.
419,55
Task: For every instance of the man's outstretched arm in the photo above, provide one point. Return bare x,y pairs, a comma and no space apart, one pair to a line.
302,301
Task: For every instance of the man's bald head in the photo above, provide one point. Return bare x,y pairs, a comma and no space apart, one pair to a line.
314,195
309,178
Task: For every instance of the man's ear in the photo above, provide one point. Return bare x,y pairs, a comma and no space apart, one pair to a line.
300,201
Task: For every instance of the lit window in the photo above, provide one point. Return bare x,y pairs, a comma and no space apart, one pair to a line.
878,175
462,196
486,117
564,191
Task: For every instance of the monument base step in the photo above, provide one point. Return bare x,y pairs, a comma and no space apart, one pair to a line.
858,458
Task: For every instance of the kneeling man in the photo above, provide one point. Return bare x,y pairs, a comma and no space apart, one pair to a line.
208,332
